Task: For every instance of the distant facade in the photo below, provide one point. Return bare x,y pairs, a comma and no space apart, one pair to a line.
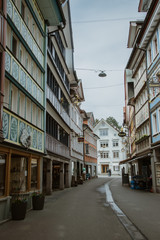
90,145
110,148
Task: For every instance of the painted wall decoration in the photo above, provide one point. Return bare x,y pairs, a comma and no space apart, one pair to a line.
14,128
21,76
18,21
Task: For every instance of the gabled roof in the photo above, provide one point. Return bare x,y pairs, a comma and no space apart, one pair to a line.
102,120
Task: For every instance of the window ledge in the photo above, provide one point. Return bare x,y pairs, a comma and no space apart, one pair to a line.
4,198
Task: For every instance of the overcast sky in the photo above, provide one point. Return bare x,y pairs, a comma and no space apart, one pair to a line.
102,45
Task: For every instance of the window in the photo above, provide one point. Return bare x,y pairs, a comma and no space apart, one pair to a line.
154,122
22,10
14,47
87,148
116,154
14,98
116,168
103,132
104,154
2,173
115,143
39,124
34,168
28,110
155,48
34,113
6,91
149,54
18,179
104,144
21,104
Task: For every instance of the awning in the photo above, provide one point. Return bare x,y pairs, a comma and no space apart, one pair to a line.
129,160
124,161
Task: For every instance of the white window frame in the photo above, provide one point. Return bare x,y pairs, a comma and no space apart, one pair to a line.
115,143
115,154
104,154
149,56
103,132
154,123
104,144
155,45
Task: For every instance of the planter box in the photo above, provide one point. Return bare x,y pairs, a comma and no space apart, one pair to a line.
18,210
38,202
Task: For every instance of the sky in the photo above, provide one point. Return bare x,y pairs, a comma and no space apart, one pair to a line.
100,35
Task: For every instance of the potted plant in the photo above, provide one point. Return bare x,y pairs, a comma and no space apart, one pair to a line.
18,207
38,201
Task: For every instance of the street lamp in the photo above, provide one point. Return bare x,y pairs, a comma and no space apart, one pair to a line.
101,74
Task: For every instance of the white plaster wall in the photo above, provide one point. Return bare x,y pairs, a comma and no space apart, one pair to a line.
112,135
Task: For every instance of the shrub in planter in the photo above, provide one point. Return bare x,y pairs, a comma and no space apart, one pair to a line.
38,201
18,208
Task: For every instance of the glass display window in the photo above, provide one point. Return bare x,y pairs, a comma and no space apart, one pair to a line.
2,173
19,172
34,173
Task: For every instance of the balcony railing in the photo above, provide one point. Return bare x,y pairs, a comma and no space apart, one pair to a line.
56,147
22,77
75,128
77,155
56,104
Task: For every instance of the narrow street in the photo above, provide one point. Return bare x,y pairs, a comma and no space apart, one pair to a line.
73,214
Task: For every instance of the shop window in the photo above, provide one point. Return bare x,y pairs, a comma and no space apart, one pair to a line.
2,173
19,170
34,171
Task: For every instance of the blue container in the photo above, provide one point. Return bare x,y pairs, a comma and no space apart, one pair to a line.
132,184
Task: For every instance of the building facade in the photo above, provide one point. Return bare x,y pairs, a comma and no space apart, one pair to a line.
24,104
142,93
110,148
90,145
64,155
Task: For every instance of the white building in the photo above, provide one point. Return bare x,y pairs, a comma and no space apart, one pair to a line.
110,148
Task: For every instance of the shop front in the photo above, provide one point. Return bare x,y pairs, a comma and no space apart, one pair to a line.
20,175
56,174
140,173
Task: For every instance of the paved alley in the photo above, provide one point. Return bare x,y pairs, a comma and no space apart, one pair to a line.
73,214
